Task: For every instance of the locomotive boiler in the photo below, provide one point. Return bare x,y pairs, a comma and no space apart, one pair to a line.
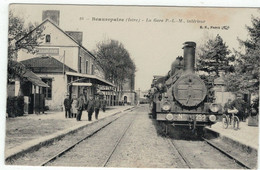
180,97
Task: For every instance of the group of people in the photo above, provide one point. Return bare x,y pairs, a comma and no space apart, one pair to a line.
91,105
239,107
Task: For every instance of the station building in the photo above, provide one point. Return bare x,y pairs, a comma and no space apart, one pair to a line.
64,64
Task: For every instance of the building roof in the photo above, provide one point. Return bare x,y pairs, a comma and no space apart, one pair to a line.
29,75
73,39
219,81
46,65
34,79
157,77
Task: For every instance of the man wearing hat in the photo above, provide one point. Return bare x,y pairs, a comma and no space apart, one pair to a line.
67,105
90,107
241,106
97,105
80,107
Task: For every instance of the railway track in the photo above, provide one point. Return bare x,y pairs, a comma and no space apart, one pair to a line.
181,155
240,162
59,154
117,143
188,163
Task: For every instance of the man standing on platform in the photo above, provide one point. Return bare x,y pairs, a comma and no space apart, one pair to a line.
80,107
90,107
97,106
228,106
67,104
103,104
242,107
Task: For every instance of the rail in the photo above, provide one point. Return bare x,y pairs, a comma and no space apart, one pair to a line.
119,140
76,143
189,165
240,162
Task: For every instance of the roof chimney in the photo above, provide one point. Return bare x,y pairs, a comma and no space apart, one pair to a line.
53,15
77,35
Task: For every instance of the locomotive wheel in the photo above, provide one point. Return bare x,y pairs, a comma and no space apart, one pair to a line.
200,131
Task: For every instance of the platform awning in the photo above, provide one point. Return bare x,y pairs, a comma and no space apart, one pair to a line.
94,79
108,90
34,79
81,84
28,74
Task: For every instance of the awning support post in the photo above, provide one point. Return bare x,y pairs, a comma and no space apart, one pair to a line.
34,99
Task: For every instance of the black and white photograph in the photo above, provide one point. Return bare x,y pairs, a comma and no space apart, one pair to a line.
131,86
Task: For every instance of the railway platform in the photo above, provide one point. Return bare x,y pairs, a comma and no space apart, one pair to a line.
31,131
246,136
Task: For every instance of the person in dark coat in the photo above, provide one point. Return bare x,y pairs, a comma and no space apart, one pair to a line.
80,107
228,105
90,107
255,107
97,106
242,107
67,104
103,104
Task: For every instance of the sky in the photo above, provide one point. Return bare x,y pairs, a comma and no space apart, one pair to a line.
153,36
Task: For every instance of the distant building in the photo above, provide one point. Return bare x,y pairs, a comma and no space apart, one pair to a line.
128,95
220,91
141,96
222,95
63,63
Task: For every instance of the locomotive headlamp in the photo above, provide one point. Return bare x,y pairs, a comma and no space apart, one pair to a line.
214,107
166,106
169,116
212,118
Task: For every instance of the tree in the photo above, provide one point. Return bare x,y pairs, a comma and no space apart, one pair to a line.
245,79
214,56
116,62
20,37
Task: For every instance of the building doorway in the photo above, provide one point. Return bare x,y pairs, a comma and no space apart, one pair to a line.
125,99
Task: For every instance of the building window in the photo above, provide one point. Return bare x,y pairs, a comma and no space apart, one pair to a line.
86,66
48,38
47,91
92,69
79,64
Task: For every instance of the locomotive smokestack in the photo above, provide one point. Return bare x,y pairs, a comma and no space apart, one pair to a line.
189,56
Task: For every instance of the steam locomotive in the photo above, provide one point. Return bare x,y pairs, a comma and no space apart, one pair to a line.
180,97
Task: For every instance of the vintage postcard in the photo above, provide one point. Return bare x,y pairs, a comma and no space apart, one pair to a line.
132,86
